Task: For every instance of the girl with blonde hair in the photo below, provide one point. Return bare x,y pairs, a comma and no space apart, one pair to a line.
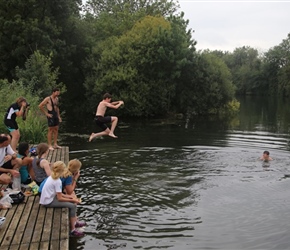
52,196
70,176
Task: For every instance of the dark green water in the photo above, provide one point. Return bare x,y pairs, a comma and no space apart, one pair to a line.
164,185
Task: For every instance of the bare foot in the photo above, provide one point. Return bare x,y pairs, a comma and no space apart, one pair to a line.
91,137
112,135
56,146
51,148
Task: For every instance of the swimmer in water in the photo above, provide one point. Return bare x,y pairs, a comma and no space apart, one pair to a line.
266,156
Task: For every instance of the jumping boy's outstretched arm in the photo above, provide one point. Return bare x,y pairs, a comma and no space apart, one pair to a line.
114,106
116,102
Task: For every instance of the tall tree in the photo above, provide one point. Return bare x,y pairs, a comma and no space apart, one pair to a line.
143,66
150,7
277,68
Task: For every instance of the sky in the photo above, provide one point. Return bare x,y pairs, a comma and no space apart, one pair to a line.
226,25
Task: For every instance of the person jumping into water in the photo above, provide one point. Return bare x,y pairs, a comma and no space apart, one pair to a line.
101,119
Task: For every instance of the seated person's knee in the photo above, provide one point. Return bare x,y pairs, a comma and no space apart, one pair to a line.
5,179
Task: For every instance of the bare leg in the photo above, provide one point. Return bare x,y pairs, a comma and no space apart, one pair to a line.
15,139
5,179
49,136
55,137
94,135
16,163
113,126
73,221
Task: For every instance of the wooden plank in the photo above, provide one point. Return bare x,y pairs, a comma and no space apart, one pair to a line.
47,225
66,154
55,155
49,155
8,240
43,246
27,236
55,234
39,224
4,227
24,246
23,220
64,233
62,156
14,247
32,226
34,246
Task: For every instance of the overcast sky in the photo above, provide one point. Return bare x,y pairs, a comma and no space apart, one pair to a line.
226,25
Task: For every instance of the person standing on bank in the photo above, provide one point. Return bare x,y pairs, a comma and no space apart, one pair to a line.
101,119
49,106
19,108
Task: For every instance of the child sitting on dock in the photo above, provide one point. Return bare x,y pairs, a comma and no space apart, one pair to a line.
25,170
52,196
41,166
70,176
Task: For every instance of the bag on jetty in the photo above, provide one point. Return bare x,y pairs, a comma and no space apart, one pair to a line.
17,197
5,202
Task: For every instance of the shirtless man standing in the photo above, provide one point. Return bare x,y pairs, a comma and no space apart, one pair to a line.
101,119
51,111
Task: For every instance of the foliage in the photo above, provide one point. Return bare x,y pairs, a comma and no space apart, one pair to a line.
141,51
142,67
212,85
27,26
245,66
39,75
277,68
150,7
34,128
231,108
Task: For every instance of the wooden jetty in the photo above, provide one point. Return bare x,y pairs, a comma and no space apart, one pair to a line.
31,226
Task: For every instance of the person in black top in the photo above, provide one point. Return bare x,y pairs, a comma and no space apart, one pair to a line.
49,106
17,109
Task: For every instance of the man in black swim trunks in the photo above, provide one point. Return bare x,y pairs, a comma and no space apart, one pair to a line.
52,113
101,119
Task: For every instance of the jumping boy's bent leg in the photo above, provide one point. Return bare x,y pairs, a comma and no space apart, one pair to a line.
114,120
94,135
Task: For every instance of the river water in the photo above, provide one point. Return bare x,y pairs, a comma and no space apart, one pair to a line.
171,185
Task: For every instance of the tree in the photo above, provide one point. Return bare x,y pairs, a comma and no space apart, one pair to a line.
27,26
277,68
150,7
143,66
245,65
38,75
213,86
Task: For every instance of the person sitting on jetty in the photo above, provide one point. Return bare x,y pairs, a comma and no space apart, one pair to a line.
52,196
70,176
41,166
266,156
9,164
26,171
